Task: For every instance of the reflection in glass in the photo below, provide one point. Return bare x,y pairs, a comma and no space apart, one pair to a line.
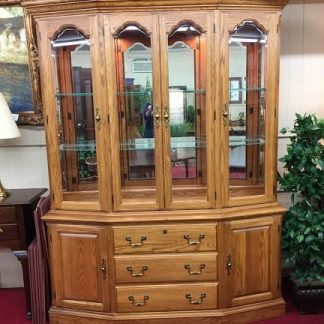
187,108
135,110
72,59
247,51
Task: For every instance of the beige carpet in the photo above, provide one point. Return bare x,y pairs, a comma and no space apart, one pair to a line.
11,275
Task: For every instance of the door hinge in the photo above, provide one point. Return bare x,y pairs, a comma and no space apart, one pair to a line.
50,237
108,117
112,200
200,174
275,112
47,119
215,195
103,31
121,114
214,28
53,197
215,115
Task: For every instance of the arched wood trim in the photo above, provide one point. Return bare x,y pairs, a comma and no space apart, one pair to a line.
69,26
131,23
187,23
243,22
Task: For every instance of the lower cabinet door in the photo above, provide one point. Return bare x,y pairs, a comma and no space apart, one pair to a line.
251,261
79,267
177,297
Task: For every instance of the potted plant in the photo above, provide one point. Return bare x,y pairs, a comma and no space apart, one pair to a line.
303,226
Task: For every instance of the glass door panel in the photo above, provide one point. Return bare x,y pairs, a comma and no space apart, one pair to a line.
185,111
246,109
136,115
75,113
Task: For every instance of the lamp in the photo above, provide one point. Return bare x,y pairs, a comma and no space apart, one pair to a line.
8,129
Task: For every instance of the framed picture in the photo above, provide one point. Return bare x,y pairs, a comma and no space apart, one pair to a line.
19,73
235,92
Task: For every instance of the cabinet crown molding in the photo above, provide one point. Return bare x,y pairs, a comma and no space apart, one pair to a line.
165,4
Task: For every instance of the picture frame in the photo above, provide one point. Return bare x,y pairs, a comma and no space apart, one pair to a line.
235,92
19,68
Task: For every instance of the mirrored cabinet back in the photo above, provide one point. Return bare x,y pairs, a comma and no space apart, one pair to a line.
161,127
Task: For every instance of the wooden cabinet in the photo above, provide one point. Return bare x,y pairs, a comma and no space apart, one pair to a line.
161,123
79,267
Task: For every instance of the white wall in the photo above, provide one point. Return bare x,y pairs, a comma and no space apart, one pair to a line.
23,162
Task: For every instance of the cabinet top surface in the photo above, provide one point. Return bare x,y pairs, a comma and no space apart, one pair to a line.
22,196
158,3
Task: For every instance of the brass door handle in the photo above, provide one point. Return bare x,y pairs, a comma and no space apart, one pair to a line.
157,116
138,304
129,239
137,274
98,118
229,264
188,267
166,116
200,301
225,114
103,268
193,242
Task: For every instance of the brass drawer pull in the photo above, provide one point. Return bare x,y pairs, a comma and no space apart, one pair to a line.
129,239
1,230
103,268
225,114
140,304
200,301
137,274
188,267
229,264
187,237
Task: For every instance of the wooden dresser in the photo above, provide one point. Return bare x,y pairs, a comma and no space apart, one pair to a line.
17,228
161,126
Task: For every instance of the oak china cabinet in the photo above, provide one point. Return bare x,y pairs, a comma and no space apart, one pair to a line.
161,125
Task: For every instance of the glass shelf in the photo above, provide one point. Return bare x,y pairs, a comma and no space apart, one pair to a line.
91,146
247,89
245,141
74,94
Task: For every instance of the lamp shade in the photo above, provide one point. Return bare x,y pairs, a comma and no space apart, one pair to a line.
8,127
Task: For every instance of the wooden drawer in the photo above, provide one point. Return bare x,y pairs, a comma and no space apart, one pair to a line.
7,215
168,238
166,268
154,298
8,232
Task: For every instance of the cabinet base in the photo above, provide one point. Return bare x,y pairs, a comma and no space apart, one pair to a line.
235,315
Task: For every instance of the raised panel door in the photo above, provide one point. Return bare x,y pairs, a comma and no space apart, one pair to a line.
79,267
250,270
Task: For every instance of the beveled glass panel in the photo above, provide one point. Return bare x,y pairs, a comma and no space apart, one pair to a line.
135,113
187,112
75,113
246,109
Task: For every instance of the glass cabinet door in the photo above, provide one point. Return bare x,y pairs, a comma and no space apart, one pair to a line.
136,112
248,102
73,111
185,65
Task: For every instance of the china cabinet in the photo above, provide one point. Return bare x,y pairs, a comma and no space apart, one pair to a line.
161,126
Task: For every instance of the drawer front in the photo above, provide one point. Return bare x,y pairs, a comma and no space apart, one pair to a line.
168,238
167,297
166,268
7,215
8,232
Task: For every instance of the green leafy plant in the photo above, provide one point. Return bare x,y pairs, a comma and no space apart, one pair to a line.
303,226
